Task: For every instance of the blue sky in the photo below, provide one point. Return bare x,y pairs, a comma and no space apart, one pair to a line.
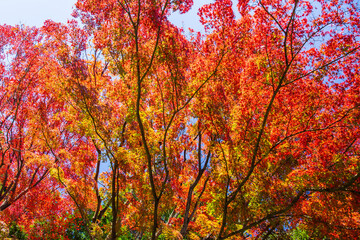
35,12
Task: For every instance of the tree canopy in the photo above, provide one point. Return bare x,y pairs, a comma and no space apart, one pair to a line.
118,125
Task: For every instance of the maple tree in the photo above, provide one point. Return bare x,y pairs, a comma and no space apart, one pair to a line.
25,160
136,130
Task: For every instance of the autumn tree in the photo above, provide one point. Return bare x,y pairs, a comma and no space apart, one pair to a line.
25,158
286,119
267,108
248,130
